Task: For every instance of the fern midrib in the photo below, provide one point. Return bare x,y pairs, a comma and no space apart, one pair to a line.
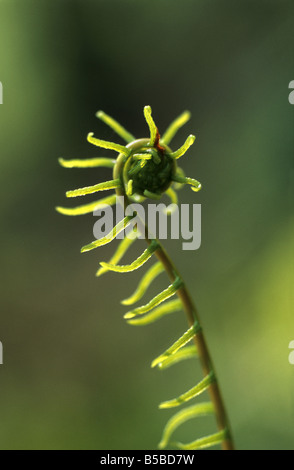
200,342
192,317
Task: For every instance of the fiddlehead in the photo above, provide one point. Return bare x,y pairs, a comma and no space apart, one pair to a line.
147,168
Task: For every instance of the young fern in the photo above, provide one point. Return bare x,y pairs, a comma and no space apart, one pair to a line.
147,168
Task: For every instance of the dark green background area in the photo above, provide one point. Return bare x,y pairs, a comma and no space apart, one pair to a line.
75,375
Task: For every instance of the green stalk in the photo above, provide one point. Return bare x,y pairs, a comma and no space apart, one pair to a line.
191,313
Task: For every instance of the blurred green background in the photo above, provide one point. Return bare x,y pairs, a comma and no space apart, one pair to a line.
75,375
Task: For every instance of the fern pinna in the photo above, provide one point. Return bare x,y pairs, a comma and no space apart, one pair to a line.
147,168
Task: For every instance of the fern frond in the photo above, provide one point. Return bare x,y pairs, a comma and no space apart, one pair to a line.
109,237
107,145
196,186
184,339
142,259
183,149
122,248
172,195
151,194
142,156
87,208
164,309
87,163
161,297
204,442
182,354
201,409
192,393
174,127
112,184
151,124
145,282
146,168
118,128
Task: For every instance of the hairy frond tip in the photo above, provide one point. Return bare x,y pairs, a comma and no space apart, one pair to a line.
195,185
151,124
183,149
87,163
129,188
112,184
115,126
174,127
107,145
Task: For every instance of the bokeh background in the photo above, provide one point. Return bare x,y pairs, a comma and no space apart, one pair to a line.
75,375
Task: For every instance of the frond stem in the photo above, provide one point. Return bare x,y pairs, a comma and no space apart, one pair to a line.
192,317
203,352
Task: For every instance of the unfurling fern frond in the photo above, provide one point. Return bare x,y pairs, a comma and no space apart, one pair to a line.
147,168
